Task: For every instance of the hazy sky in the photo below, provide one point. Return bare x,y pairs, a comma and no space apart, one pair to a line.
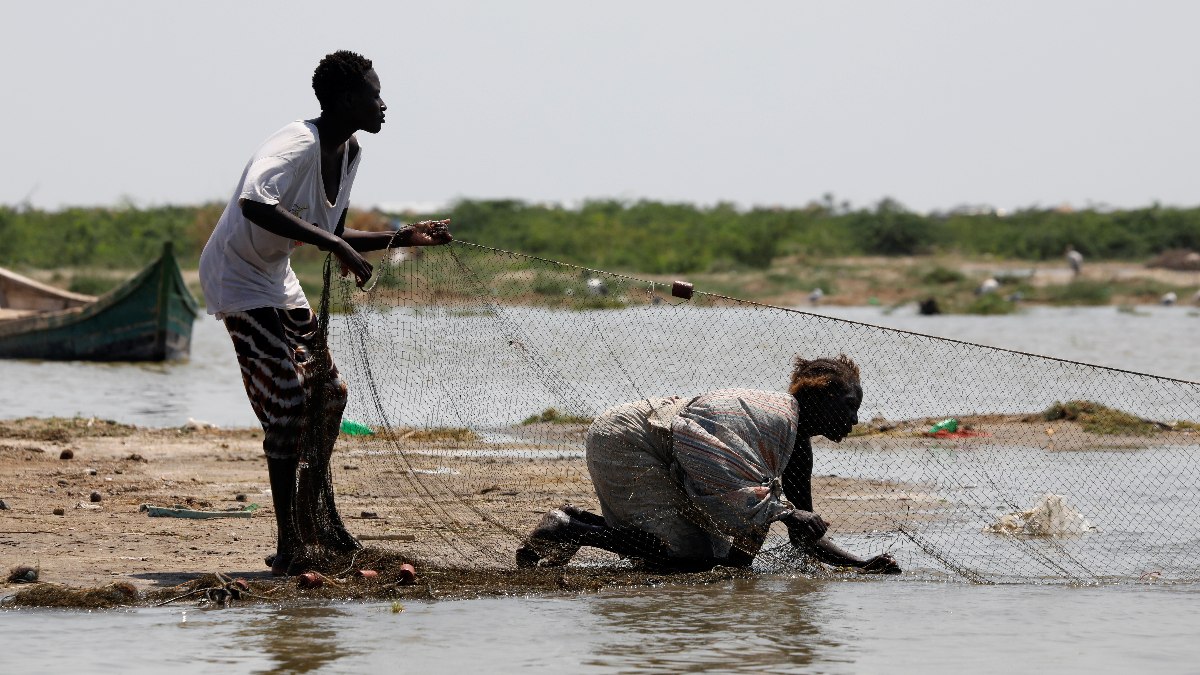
932,102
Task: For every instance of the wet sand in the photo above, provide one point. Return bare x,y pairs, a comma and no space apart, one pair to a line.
490,501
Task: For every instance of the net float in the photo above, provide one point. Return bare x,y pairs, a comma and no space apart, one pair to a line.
407,574
310,580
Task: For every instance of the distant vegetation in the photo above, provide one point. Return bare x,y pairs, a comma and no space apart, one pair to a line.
642,237
555,416
1101,419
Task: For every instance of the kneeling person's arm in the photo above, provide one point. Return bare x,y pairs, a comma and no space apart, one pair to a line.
807,529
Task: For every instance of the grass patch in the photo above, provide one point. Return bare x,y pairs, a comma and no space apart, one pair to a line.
597,302
554,285
555,416
876,426
93,284
1150,290
1079,292
943,275
454,434
782,281
990,304
62,428
1100,419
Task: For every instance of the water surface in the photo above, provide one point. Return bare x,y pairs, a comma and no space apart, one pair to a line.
1156,340
915,623
771,624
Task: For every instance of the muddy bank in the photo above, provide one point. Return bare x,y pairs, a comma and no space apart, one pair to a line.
73,489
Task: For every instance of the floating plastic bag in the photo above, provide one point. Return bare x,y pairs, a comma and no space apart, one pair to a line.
1050,517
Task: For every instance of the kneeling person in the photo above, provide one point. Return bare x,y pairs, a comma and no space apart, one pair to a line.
690,484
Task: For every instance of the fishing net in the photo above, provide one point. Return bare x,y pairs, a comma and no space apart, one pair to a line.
474,374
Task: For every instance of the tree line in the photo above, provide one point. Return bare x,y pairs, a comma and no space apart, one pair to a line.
642,236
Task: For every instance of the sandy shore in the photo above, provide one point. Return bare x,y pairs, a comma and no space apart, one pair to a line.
473,516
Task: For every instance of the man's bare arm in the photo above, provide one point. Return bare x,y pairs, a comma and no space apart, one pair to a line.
277,220
424,233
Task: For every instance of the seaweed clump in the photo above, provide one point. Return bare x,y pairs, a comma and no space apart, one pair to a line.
23,574
118,594
1101,419
370,575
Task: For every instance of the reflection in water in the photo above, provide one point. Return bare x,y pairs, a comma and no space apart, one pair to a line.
769,624
299,639
746,625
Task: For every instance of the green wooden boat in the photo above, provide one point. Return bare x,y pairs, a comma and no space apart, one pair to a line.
148,318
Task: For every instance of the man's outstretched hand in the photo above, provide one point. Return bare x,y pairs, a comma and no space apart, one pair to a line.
430,233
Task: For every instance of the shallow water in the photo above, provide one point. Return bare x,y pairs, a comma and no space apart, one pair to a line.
771,624
1140,507
1155,340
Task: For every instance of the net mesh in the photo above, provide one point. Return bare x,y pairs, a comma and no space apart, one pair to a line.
478,371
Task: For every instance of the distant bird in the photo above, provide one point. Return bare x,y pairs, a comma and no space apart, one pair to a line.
815,296
1169,298
596,286
1075,260
989,285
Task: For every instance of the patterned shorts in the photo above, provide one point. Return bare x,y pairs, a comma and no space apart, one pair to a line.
275,349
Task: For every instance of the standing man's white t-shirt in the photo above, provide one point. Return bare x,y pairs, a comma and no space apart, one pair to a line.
244,266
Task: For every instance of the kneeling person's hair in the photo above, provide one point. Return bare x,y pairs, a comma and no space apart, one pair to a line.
820,373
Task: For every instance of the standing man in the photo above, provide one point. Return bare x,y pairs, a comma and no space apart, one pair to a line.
296,189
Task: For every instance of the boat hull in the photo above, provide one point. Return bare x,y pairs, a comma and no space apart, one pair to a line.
149,318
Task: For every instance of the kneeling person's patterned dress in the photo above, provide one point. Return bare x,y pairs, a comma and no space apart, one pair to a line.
703,475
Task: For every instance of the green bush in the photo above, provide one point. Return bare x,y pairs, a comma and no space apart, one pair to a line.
643,237
1099,419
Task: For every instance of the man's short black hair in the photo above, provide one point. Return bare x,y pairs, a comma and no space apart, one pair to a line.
339,72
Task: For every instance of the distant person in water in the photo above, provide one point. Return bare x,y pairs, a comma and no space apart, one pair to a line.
296,189
688,484
1075,260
